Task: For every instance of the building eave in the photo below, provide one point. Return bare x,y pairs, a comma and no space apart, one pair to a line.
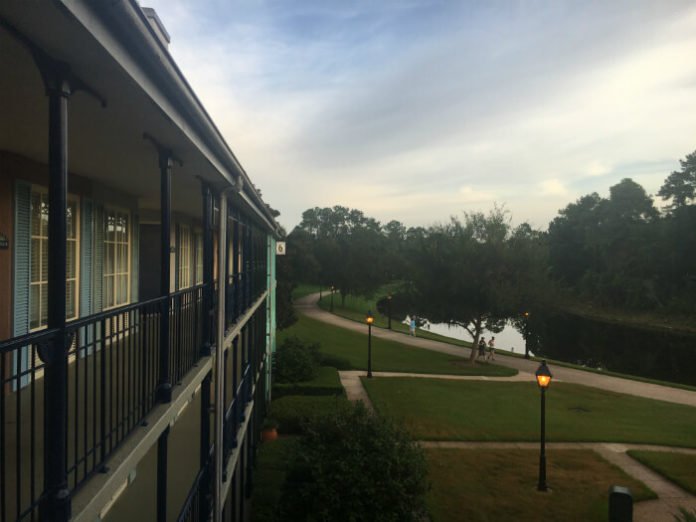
123,30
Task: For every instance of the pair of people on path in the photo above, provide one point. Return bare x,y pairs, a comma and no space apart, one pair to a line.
483,348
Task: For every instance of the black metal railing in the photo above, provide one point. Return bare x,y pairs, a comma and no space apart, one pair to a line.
21,422
197,506
246,275
112,382
187,315
112,376
234,416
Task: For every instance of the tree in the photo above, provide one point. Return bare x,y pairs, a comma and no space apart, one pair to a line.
602,248
680,185
348,247
629,203
572,246
468,273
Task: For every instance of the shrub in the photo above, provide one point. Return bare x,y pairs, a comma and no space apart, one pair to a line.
340,363
326,382
353,465
293,412
295,361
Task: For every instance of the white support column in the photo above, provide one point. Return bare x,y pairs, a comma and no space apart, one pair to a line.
219,360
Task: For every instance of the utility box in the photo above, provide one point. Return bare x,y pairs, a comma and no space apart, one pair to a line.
620,504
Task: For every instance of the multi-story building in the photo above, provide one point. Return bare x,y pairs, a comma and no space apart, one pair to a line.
136,278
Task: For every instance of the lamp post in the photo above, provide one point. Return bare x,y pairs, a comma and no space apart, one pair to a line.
389,298
369,320
526,335
332,293
543,378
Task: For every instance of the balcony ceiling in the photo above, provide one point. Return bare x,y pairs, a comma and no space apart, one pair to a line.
105,144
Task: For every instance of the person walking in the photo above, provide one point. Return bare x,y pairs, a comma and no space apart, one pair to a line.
412,326
491,349
481,348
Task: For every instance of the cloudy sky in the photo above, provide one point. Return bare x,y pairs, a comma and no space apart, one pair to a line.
418,110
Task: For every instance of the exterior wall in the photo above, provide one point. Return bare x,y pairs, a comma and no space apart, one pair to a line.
92,198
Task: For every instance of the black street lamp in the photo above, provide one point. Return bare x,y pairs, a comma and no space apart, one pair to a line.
526,335
369,320
332,293
389,298
543,378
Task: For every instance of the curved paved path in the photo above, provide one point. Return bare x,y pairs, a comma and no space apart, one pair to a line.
308,306
671,497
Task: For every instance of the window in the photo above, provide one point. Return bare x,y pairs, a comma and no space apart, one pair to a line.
116,258
185,256
198,240
38,298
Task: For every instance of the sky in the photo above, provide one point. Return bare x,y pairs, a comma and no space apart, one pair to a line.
421,110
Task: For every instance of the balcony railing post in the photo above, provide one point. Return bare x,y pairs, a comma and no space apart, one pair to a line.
247,267
164,388
207,269
102,394
56,505
204,458
235,268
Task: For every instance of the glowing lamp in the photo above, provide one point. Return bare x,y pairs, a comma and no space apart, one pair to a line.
543,375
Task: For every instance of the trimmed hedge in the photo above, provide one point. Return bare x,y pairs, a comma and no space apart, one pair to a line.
294,411
327,382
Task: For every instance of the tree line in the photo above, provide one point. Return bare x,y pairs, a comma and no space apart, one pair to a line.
479,270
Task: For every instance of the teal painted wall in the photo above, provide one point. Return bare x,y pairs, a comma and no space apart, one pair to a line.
270,311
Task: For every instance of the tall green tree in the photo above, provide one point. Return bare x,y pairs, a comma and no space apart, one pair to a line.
348,247
469,273
680,185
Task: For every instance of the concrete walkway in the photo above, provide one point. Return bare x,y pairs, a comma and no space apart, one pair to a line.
308,306
670,496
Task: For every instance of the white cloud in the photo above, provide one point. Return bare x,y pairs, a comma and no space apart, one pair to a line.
597,168
531,106
553,187
469,195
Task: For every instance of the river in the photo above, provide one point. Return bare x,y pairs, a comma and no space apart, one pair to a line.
656,354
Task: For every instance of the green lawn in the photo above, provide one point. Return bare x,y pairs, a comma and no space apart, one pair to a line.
386,355
677,467
493,485
509,411
303,289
